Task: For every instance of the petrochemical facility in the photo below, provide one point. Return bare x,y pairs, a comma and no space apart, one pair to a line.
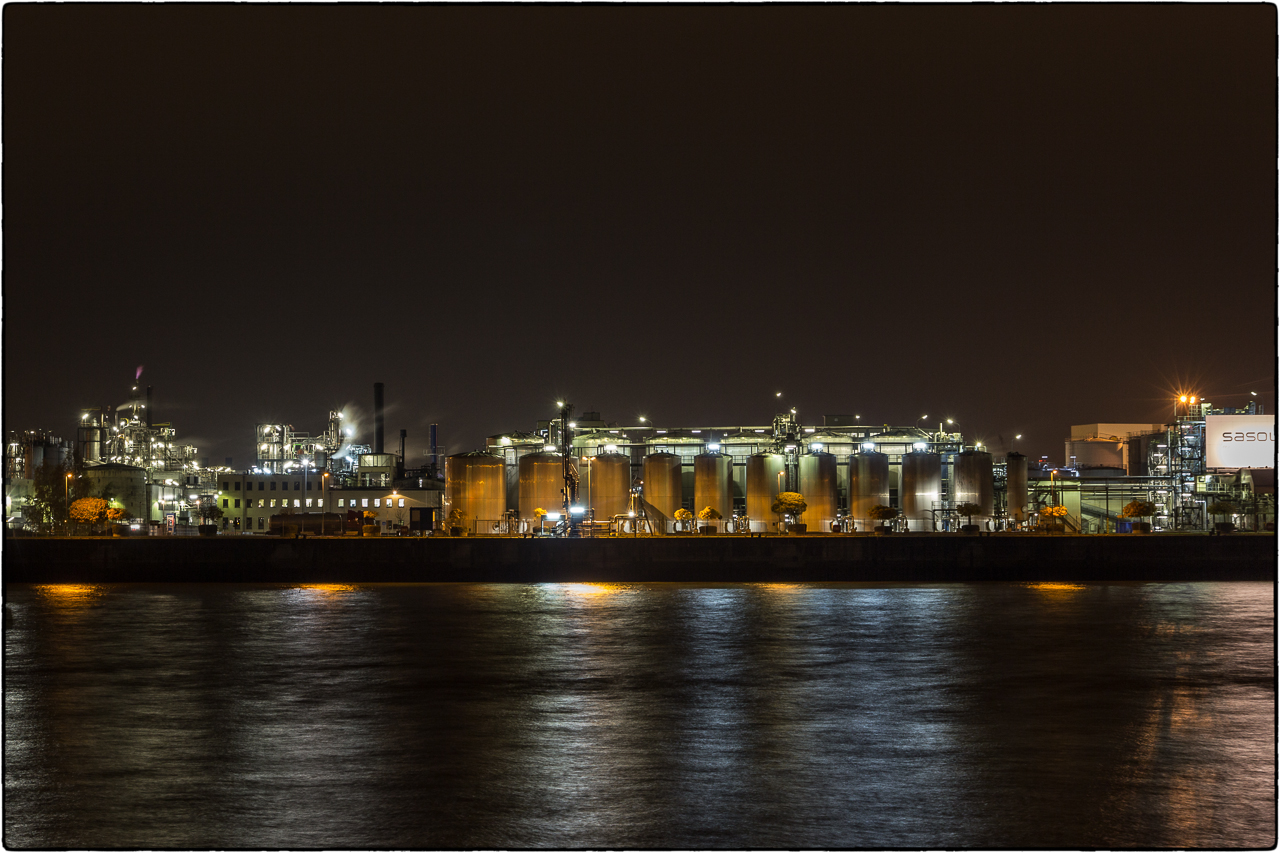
587,475
584,476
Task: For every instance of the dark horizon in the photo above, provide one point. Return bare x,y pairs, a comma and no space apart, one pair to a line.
1019,217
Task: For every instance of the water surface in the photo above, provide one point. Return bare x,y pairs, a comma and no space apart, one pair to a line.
651,715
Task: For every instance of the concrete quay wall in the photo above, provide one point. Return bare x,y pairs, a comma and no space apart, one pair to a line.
918,558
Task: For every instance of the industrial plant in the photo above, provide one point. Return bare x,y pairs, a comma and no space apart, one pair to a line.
1209,469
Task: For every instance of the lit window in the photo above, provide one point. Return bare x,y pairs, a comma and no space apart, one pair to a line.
401,502
308,503
364,502
342,502
273,503
297,503
262,502
377,501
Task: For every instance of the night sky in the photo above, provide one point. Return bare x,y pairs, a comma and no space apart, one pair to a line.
1020,217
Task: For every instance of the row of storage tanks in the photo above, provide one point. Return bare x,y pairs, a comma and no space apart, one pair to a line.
476,483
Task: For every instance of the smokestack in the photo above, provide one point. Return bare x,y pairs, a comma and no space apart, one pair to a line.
377,417
148,407
400,464
433,444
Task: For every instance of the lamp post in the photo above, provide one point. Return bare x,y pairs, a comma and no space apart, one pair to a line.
66,495
324,500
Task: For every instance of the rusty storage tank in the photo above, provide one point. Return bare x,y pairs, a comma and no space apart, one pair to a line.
972,483
663,477
766,476
713,483
610,484
868,486
1015,479
921,488
819,488
476,484
541,483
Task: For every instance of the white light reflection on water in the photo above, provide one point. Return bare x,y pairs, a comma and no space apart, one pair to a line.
663,715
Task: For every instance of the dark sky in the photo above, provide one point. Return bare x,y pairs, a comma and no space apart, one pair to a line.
1021,217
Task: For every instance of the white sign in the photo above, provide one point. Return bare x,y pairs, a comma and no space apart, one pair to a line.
1239,441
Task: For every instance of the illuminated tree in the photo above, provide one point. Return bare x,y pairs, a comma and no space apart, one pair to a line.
789,503
883,513
1222,508
209,510
89,510
969,510
1138,509
683,516
458,520
115,513
709,513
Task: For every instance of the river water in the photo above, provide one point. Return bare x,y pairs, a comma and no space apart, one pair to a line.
647,715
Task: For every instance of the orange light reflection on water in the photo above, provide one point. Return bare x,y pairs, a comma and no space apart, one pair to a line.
71,594
328,588
592,589
1056,589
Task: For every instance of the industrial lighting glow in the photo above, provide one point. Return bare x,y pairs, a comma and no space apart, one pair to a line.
559,405
575,510
868,445
713,447
817,445
549,448
553,516
919,445
611,448
572,425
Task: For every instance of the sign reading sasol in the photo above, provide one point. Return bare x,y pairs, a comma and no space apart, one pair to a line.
1239,441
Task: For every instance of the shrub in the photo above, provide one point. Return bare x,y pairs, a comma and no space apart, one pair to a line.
789,503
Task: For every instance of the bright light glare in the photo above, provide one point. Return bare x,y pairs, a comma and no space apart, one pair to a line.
713,447
868,445
817,445
919,445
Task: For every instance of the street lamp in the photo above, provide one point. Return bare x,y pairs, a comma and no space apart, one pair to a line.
324,500
66,494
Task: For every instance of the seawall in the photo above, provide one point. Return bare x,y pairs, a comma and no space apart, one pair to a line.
919,558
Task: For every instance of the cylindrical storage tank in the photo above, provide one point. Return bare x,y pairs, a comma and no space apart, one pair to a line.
663,474
819,488
91,436
766,476
127,484
610,485
713,485
1015,479
921,488
868,486
541,484
476,484
972,483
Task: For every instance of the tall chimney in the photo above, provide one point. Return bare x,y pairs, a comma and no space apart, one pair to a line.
377,417
400,464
